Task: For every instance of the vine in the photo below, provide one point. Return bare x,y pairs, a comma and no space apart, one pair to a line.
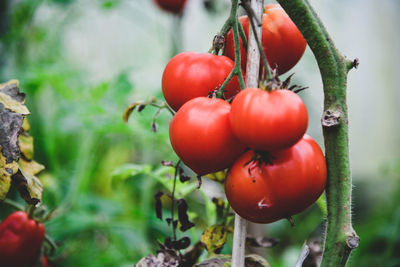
340,238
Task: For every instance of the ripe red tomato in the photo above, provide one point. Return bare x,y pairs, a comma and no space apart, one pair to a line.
265,120
45,263
174,6
20,240
189,75
264,193
201,135
282,42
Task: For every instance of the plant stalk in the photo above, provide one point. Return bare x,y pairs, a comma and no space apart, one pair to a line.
340,238
253,64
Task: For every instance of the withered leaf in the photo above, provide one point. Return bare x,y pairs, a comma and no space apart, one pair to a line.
26,146
264,242
192,255
12,112
182,215
28,186
182,176
179,244
158,204
251,260
214,237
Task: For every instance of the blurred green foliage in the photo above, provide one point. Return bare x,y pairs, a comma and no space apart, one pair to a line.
101,174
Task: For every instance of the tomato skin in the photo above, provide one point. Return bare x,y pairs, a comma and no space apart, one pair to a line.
20,240
295,179
201,135
265,120
189,75
282,42
173,6
45,263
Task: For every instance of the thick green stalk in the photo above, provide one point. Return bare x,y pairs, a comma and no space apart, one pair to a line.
340,238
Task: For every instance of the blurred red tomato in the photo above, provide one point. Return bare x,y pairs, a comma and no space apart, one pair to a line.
173,6
20,240
282,42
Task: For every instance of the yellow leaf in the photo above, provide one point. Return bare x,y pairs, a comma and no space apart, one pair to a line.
12,99
214,237
25,125
31,167
26,146
6,171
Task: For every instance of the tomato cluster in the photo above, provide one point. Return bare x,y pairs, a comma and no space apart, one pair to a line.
20,240
275,170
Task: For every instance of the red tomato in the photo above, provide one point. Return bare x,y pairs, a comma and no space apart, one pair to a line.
282,42
293,181
45,263
20,240
265,120
189,75
201,135
174,6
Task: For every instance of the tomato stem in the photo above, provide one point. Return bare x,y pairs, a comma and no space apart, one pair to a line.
233,23
251,16
13,204
340,237
51,243
173,200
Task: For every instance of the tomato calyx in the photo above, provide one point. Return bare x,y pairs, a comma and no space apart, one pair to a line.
258,159
274,83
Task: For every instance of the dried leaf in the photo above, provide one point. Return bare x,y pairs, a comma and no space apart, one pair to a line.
182,176
158,204
179,244
28,186
12,99
25,125
30,167
251,260
263,242
128,111
214,237
192,255
12,111
182,215
26,146
154,127
167,163
254,260
6,171
218,261
163,259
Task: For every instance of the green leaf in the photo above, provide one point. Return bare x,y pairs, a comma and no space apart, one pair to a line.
131,170
214,237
